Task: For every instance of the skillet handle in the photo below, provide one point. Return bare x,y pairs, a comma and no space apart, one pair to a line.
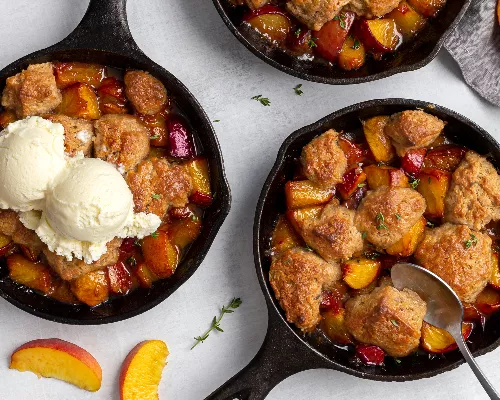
282,354
103,27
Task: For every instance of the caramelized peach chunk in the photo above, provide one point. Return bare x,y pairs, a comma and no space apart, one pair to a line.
79,101
27,273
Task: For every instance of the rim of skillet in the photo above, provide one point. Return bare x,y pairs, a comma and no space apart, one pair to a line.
274,308
337,81
222,204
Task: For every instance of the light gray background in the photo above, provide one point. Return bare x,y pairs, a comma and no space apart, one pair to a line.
189,39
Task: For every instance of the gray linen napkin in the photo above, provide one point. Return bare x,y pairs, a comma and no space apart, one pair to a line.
475,46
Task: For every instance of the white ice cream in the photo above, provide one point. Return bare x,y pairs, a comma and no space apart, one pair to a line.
75,205
31,156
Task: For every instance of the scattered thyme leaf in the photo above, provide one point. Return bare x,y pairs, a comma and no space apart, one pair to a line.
297,32
360,185
132,261
397,361
298,92
215,324
154,235
394,322
380,163
414,183
397,216
194,218
371,255
263,100
429,224
363,235
312,42
216,120
381,221
156,196
154,137
356,45
429,180
471,242
137,243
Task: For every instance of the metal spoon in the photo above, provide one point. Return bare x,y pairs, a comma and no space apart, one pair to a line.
444,309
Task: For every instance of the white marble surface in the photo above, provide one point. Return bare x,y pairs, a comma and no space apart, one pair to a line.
188,38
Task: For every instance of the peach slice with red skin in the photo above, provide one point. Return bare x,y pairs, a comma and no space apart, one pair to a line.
331,37
379,35
56,358
141,371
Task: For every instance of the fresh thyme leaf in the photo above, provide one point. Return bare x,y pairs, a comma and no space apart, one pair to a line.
263,100
297,32
363,235
298,92
397,361
360,185
356,45
156,196
132,261
414,183
394,322
137,243
381,222
308,248
471,242
380,163
234,304
194,218
341,19
154,235
312,42
429,224
429,179
216,120
371,255
154,137
397,216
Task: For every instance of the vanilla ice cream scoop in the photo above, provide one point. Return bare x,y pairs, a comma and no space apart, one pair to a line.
31,156
89,202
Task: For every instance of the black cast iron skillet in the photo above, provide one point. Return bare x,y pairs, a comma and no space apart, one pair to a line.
286,350
103,37
413,55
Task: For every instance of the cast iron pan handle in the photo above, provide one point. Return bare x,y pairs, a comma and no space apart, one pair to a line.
282,354
103,27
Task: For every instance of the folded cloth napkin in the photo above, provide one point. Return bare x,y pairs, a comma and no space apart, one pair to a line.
475,45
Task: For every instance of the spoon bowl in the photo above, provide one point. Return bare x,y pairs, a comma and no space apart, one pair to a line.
444,309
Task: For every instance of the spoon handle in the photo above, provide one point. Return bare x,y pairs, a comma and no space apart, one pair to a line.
492,393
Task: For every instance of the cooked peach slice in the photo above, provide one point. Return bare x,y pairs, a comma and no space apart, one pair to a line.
331,37
333,324
446,157
412,161
183,232
69,73
284,236
6,117
472,314
61,291
79,101
141,371
428,8
145,275
271,21
352,56
27,273
437,340
301,194
160,254
488,301
56,358
298,217
360,272
495,276
408,21
379,142
351,181
370,354
199,170
380,35
407,245
112,98
385,176
433,185
352,203
92,288
119,278
355,152
6,244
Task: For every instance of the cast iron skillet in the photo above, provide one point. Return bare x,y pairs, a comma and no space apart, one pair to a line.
103,37
286,350
411,56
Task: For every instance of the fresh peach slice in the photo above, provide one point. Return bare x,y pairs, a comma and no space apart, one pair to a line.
141,371
56,358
